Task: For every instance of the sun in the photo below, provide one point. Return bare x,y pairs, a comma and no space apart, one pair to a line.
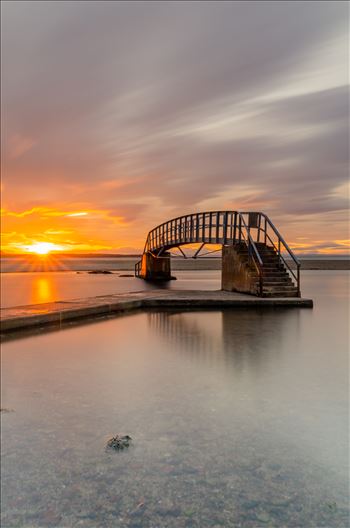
42,248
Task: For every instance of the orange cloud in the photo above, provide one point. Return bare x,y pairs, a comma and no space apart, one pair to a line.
47,212
71,230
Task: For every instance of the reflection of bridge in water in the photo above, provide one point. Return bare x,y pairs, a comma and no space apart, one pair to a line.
234,338
253,251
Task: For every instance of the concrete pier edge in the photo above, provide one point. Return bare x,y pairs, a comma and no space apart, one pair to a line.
58,313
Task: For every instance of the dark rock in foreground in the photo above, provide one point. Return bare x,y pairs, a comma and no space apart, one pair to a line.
119,442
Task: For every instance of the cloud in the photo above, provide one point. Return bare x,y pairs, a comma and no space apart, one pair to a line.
150,109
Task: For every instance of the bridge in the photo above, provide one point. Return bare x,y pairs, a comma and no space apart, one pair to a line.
255,257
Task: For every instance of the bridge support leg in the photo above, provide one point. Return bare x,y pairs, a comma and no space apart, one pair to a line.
235,274
156,268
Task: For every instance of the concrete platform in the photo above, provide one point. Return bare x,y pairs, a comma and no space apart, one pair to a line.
21,318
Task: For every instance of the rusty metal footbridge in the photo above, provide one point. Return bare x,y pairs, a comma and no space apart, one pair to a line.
255,257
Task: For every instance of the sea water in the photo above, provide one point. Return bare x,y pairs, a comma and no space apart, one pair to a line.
237,418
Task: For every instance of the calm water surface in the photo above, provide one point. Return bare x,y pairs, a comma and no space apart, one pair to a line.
18,289
238,418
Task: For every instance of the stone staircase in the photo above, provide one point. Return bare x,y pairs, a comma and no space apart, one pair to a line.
276,280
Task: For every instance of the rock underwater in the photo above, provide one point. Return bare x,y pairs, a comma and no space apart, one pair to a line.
118,442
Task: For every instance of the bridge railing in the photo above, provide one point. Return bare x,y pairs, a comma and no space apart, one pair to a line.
138,266
213,227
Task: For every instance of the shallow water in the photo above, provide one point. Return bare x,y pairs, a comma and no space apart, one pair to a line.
35,287
18,289
238,418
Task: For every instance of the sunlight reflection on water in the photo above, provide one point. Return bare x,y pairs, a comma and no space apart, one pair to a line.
43,290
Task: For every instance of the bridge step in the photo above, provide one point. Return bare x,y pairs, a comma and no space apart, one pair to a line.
278,284
280,293
274,277
270,272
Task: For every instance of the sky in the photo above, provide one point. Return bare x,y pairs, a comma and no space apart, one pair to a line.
117,116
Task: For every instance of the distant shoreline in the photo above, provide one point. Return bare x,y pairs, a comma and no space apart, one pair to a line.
322,264
21,256
18,265
70,255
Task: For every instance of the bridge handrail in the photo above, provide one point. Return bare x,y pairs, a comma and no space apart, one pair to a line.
287,248
138,268
250,239
274,228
